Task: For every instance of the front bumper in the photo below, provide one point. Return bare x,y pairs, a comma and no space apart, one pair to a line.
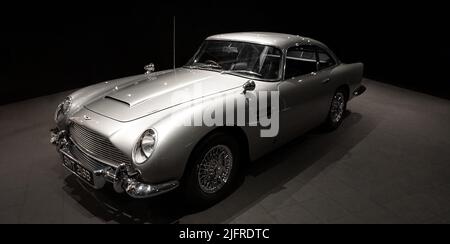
96,174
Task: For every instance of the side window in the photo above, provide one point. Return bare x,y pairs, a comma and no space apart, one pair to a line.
300,61
325,60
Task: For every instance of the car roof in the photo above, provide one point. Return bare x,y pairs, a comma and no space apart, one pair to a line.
279,40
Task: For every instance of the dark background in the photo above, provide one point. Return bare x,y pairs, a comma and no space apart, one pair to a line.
51,47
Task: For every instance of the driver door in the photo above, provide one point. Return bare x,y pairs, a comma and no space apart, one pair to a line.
300,92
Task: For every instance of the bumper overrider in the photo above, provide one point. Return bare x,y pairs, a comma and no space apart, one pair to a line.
96,174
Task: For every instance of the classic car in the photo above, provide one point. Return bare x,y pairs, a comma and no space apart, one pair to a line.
124,131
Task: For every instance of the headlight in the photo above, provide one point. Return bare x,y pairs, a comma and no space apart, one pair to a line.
63,108
145,146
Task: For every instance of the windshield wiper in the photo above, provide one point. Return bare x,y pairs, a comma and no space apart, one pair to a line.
242,71
203,66
191,67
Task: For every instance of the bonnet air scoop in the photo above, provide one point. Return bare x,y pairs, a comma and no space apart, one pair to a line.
117,100
159,92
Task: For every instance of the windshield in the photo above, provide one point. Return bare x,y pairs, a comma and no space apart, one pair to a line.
238,58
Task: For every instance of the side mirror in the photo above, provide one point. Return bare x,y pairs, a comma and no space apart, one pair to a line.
149,68
248,86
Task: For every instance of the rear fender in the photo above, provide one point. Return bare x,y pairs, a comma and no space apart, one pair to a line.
349,74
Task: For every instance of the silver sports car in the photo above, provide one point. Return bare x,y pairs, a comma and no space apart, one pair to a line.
241,96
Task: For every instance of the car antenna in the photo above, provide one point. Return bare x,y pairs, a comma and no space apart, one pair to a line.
173,43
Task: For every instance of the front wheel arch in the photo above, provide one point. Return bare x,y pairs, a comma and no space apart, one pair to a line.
189,186
236,131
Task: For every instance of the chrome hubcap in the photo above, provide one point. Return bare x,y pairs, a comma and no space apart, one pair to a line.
214,170
337,107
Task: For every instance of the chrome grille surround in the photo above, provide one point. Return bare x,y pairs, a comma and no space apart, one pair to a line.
96,145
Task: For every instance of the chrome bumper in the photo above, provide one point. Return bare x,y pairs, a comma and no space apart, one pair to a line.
122,179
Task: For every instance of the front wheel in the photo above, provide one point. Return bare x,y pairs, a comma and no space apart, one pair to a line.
337,109
213,170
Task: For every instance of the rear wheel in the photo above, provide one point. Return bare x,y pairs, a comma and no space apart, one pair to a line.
337,109
213,170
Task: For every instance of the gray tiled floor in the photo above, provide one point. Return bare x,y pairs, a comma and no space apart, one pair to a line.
388,163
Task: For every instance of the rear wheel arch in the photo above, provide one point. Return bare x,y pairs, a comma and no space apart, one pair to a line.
346,89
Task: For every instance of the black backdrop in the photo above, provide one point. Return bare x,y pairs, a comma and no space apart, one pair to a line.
48,48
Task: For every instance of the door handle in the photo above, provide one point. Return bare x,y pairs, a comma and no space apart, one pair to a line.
326,81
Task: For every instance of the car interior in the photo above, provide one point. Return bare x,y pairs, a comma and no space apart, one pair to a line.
300,61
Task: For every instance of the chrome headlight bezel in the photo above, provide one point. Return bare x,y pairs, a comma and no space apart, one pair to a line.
145,146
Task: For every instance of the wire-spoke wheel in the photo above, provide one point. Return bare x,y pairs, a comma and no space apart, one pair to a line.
337,107
213,170
337,110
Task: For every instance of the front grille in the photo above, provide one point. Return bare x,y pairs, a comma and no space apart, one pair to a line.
97,145
85,160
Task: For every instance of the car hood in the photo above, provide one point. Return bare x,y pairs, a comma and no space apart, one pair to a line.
152,93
